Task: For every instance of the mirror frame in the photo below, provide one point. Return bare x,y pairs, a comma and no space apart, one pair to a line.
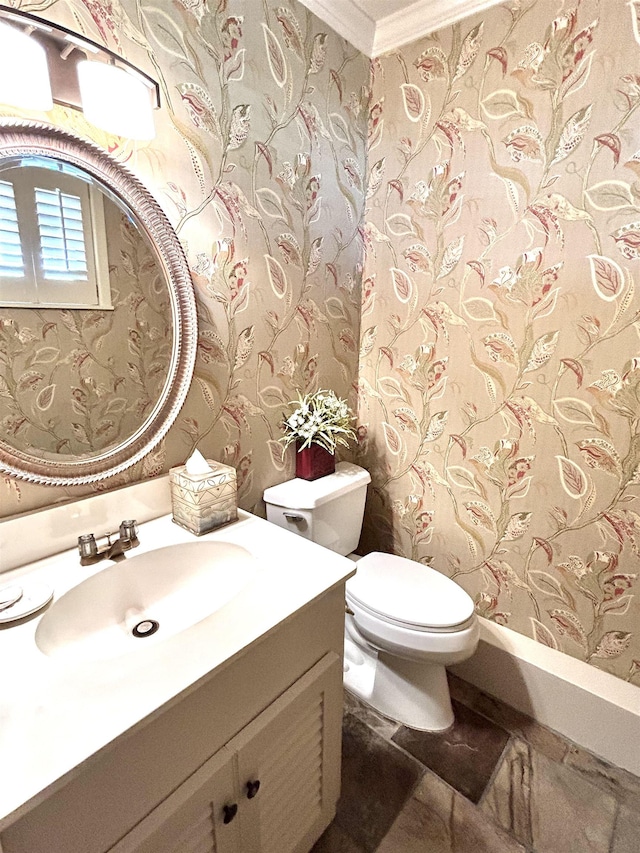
25,138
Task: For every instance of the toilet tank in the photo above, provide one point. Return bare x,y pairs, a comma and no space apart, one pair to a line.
328,510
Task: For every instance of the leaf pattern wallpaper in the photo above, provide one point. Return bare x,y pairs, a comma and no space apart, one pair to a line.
448,235
499,384
259,162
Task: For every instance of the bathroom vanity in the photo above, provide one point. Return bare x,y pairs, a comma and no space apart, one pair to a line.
222,737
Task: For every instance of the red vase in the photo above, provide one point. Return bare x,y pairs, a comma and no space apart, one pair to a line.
313,462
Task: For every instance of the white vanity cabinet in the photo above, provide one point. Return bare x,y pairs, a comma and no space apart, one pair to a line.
271,789
271,714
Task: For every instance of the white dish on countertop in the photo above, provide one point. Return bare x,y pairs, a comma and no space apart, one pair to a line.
34,597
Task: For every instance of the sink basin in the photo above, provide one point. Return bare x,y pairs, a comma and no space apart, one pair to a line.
144,599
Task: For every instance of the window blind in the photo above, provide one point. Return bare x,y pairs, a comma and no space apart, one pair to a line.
53,250
62,245
11,258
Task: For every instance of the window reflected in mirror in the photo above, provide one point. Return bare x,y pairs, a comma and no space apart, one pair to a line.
53,242
76,379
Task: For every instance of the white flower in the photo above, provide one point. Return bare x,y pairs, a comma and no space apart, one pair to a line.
485,457
421,192
575,565
506,278
320,418
26,335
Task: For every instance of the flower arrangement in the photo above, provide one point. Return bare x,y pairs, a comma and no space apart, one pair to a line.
320,418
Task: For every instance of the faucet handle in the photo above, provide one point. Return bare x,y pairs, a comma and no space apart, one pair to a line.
87,545
129,530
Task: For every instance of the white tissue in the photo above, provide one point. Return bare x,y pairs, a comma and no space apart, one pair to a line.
197,464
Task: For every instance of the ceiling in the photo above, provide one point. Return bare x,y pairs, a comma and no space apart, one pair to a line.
378,26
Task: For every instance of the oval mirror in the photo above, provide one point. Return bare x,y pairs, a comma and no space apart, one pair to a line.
98,323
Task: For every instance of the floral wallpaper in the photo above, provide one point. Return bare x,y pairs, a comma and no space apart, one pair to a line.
259,162
75,382
499,384
448,235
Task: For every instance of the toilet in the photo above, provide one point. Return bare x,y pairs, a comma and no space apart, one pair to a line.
405,621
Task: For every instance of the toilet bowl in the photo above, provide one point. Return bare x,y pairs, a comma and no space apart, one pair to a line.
405,621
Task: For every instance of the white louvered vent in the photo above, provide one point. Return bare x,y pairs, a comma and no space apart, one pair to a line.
199,837
291,776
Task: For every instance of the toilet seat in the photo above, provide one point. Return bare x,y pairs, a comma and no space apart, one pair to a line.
409,595
400,623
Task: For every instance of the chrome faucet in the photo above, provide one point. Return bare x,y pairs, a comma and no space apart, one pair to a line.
92,552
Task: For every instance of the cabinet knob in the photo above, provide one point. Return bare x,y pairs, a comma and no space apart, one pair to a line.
252,788
229,812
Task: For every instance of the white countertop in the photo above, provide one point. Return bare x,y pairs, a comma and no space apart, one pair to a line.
55,714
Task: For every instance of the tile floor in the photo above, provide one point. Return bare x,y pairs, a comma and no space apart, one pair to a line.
496,782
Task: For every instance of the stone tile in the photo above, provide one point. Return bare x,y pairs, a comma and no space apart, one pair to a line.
626,836
335,840
623,785
377,780
437,819
515,722
465,755
385,727
547,805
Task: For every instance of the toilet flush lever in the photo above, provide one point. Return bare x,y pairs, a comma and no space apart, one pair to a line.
293,516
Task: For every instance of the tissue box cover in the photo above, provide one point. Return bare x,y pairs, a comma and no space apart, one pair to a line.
202,502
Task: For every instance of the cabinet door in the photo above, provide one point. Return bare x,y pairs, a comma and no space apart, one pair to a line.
199,817
288,763
272,789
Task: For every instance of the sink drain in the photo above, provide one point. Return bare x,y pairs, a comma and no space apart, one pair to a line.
145,628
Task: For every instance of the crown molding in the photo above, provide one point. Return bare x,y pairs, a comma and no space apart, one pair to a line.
374,37
348,20
421,18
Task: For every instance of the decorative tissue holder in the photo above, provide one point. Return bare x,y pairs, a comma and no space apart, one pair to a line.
203,501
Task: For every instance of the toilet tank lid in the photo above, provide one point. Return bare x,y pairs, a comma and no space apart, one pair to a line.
309,494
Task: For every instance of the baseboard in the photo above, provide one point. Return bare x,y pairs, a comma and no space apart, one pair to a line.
594,709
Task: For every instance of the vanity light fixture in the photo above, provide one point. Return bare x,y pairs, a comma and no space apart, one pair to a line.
24,76
42,63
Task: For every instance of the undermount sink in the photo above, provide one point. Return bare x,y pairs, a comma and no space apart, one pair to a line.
144,598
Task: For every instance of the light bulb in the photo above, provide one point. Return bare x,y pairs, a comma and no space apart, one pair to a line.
115,100
24,73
